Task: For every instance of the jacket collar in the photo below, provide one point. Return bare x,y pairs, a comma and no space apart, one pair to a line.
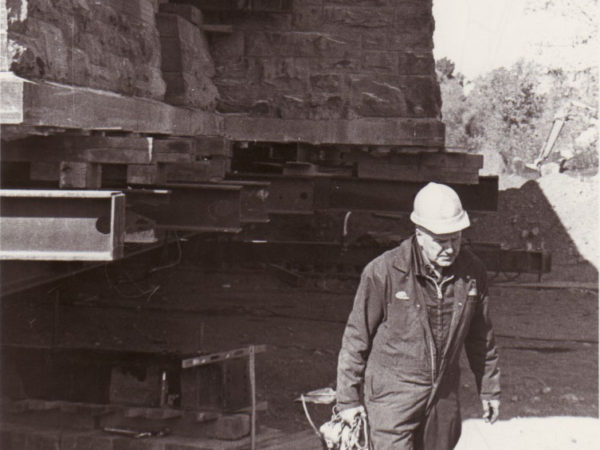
407,258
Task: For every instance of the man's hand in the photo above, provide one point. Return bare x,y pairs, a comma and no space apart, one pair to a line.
349,414
491,410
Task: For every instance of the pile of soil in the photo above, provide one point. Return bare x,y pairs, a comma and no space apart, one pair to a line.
557,213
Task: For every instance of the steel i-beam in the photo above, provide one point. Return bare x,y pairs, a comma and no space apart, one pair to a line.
53,225
197,207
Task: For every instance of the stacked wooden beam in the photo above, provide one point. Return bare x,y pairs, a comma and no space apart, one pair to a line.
442,167
75,161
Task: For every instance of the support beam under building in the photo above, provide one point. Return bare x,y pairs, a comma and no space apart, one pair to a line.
54,225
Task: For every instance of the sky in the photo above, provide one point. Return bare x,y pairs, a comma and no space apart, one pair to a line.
480,35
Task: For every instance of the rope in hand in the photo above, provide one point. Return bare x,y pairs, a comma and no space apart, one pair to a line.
339,435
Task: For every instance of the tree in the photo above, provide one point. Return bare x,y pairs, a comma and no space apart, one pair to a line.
503,112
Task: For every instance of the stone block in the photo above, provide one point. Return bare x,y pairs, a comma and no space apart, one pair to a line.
136,10
364,3
340,64
92,44
411,41
188,12
380,62
286,74
314,107
135,387
416,63
43,440
307,15
185,89
413,8
265,21
422,96
70,441
329,82
359,17
272,5
376,40
225,46
236,97
300,44
230,427
378,98
179,58
149,82
239,69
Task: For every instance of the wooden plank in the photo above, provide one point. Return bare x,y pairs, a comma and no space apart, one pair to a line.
91,149
44,171
365,131
213,145
198,171
172,150
80,175
146,174
43,103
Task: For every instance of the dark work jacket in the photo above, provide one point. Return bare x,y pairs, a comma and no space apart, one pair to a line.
388,330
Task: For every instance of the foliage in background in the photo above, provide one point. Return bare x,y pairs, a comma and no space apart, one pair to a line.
508,113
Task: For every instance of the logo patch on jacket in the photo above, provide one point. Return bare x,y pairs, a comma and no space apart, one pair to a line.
473,289
401,295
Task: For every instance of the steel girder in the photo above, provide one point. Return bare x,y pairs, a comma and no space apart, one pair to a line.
305,194
54,225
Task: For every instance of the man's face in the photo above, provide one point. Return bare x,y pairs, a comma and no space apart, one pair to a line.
440,250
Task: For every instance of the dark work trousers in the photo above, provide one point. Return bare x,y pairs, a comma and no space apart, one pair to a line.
396,413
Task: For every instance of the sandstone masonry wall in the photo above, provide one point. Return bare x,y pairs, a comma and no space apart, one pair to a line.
327,59
110,44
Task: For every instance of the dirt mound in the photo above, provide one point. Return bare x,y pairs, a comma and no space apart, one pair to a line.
557,213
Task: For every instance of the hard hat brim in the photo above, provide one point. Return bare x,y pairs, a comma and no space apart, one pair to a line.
443,226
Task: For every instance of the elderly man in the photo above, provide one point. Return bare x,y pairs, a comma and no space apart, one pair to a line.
415,307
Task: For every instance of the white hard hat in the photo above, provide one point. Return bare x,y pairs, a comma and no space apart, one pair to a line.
438,209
